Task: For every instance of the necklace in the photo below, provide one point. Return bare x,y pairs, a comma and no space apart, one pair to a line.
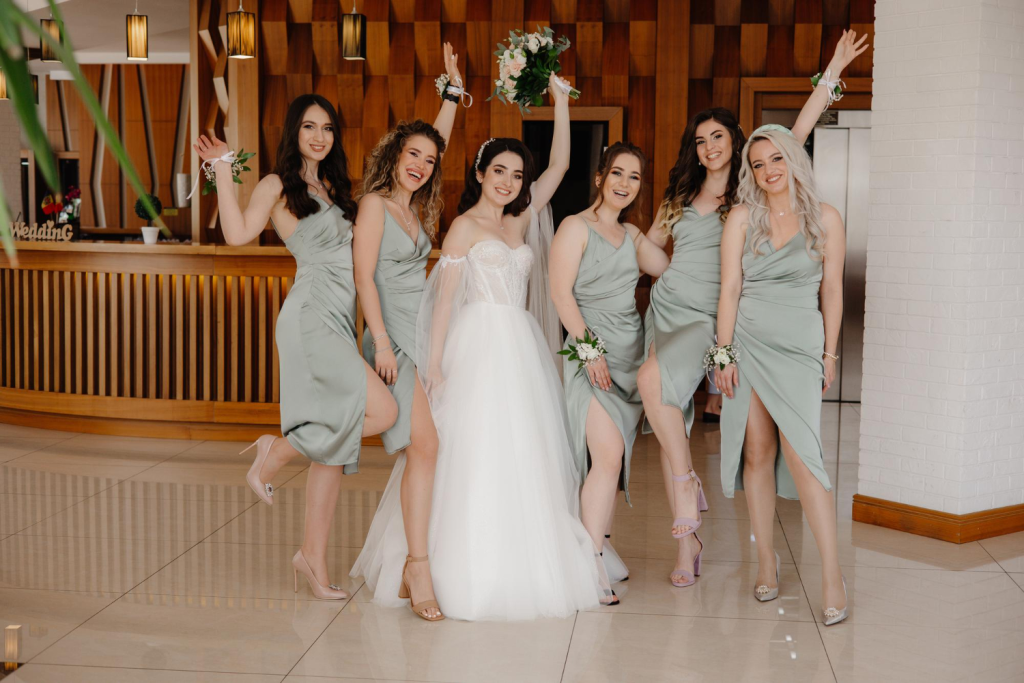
401,209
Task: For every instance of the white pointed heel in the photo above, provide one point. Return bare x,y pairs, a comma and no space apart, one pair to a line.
765,594
832,615
263,446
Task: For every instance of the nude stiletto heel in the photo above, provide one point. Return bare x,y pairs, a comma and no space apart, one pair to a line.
763,593
300,566
263,446
418,608
833,616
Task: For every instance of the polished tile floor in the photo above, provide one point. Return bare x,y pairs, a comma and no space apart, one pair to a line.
126,559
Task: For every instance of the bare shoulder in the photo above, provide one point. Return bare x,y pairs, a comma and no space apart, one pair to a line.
830,216
270,185
631,230
573,225
739,217
371,200
460,236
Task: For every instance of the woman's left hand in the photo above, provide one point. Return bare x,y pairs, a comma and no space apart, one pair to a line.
451,66
830,374
847,49
599,375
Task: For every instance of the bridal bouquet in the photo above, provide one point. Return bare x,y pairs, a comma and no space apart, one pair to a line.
586,350
525,64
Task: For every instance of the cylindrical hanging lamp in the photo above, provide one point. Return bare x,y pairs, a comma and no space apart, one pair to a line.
353,35
3,85
50,27
137,36
241,34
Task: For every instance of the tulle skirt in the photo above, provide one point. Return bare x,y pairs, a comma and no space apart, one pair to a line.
505,539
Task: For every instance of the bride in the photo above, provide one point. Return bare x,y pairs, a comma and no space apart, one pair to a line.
505,539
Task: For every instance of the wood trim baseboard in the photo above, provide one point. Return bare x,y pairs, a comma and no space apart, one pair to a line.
198,431
941,525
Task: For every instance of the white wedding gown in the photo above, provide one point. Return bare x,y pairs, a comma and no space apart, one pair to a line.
505,537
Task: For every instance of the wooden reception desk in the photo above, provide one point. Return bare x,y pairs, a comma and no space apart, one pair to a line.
163,340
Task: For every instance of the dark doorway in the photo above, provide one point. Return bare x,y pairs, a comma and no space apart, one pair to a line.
587,140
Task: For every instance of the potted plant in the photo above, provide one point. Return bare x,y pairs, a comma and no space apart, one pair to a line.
149,232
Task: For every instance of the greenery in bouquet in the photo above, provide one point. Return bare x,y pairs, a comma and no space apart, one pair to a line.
525,64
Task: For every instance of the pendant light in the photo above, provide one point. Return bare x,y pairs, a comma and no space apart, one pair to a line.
241,34
50,27
137,35
3,85
353,35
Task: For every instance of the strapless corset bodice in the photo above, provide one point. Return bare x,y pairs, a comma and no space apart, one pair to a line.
500,273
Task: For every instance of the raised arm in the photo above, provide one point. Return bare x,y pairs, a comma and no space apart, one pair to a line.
558,164
366,238
733,238
651,257
848,49
831,291
446,117
241,227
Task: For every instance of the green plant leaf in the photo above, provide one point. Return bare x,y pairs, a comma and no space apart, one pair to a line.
5,229
22,97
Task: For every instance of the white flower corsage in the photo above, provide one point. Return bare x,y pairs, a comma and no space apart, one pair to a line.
587,350
442,84
721,356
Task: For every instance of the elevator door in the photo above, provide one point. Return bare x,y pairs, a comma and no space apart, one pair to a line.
841,164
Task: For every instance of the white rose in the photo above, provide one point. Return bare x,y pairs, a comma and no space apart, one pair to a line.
533,45
507,56
722,358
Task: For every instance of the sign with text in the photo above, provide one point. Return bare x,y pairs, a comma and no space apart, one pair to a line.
47,232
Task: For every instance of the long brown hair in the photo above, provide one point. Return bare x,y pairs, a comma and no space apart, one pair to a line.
490,149
687,175
332,171
604,167
381,174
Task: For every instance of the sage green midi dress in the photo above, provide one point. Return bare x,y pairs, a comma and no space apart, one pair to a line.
605,294
782,337
684,304
323,377
400,276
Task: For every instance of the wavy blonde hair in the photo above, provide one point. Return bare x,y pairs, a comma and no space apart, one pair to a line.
803,193
381,173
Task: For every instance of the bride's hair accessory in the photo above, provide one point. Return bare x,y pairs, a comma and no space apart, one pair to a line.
833,88
237,163
480,153
453,92
587,350
768,127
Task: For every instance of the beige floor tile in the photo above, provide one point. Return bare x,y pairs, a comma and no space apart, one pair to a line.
1008,550
57,673
44,617
372,642
927,598
19,511
609,648
196,634
1019,578
242,570
17,431
108,451
284,523
368,479
16,447
865,545
110,516
915,654
196,483
332,679
724,589
724,539
58,479
81,564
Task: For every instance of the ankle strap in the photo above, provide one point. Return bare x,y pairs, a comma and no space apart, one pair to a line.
410,558
685,477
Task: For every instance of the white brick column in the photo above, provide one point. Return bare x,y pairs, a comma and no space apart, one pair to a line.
943,400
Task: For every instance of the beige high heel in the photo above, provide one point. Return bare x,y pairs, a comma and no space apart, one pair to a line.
418,608
263,446
331,592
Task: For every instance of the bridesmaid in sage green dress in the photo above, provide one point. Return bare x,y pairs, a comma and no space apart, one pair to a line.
595,262
782,260
330,397
402,180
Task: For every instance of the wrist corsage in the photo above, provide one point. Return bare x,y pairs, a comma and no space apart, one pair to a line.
587,350
453,92
237,162
833,88
721,356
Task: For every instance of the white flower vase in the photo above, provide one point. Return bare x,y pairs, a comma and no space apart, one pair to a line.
150,234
